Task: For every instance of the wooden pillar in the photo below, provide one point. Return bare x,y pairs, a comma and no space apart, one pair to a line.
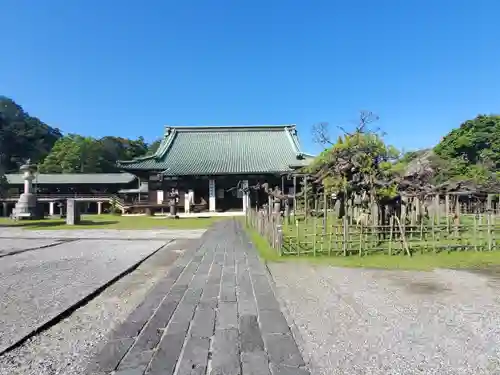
139,187
437,213
294,195
305,197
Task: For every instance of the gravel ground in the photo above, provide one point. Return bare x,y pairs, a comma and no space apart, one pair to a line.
67,347
8,246
354,321
36,286
110,234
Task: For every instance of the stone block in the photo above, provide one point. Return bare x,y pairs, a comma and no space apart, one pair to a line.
112,354
286,370
72,212
195,357
255,363
166,356
227,315
204,322
273,321
283,350
226,356
250,336
136,360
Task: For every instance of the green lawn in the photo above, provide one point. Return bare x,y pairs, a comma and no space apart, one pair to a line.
114,222
425,262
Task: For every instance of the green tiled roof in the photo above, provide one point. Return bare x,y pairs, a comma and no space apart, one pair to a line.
74,178
223,150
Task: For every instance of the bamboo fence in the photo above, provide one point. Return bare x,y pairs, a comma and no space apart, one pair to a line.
448,227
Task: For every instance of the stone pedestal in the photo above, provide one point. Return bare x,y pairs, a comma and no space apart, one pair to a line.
72,212
26,207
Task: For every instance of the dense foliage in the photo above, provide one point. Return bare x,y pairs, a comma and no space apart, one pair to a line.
471,151
25,137
362,162
357,163
77,154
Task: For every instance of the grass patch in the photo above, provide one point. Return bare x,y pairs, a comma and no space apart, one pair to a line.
423,262
113,222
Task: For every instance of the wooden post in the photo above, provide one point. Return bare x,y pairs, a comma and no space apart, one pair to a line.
280,239
306,208
402,222
294,197
447,210
436,209
315,231
345,234
457,214
414,211
488,208
418,208
325,211
297,234
391,229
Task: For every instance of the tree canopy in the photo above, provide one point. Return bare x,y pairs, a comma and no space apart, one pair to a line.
361,161
25,137
471,151
74,153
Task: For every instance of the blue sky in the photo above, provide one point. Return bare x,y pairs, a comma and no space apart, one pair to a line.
128,68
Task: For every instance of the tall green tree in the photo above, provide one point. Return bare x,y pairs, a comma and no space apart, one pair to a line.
74,154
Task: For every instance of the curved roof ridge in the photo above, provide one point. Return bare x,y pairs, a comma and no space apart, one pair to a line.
227,128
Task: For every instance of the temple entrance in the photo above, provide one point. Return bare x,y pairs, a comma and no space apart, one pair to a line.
227,195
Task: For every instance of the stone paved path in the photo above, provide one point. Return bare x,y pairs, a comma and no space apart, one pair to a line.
214,313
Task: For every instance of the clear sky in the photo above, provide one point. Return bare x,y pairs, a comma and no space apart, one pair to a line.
127,68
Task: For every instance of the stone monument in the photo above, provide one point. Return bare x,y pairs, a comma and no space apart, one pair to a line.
27,205
72,212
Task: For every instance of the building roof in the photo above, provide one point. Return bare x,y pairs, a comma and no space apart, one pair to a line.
74,178
218,150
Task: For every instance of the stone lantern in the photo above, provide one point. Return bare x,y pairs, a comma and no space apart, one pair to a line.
173,198
27,205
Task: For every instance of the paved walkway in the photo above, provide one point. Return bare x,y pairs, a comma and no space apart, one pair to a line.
214,313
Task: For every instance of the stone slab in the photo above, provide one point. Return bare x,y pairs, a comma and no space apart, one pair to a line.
38,286
13,246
